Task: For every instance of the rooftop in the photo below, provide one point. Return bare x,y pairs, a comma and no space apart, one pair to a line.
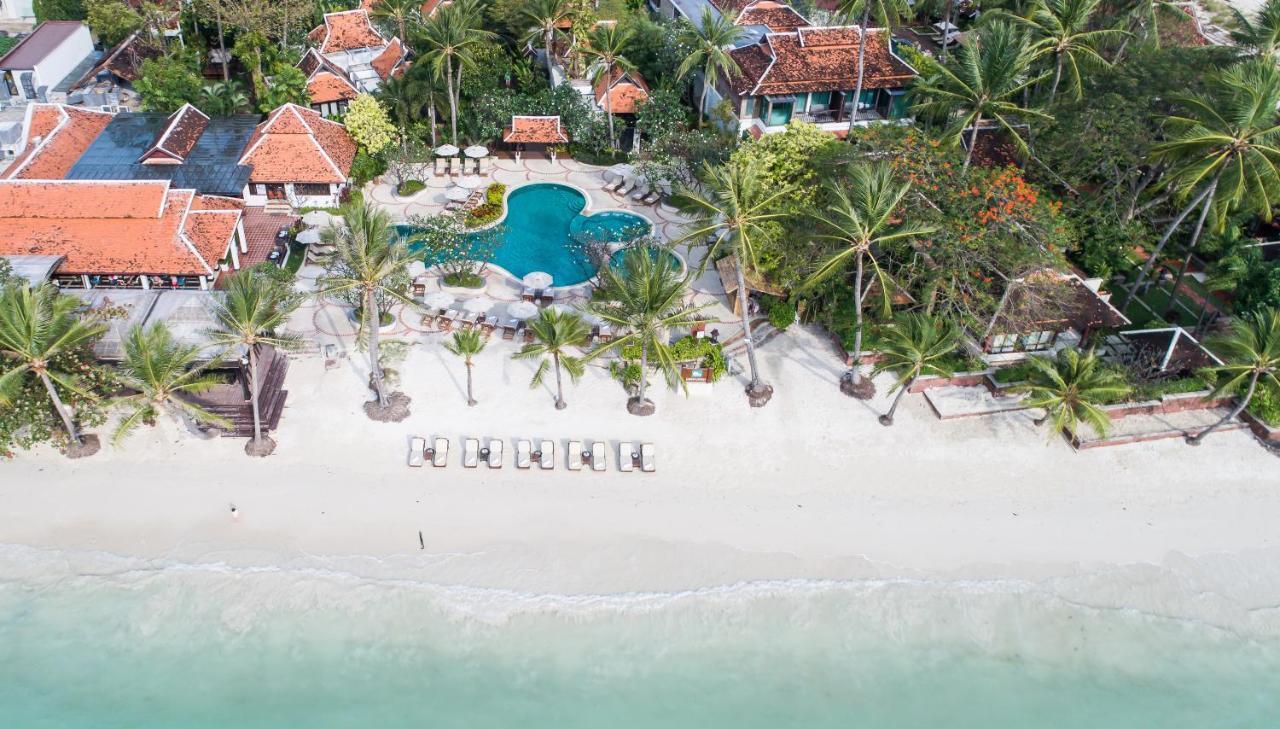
621,92
816,60
348,30
535,130
39,44
296,144
187,314
56,136
777,17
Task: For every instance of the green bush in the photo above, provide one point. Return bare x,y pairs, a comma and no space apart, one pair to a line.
1012,373
492,208
365,167
709,355
1159,388
628,373
1265,404
464,279
409,187
780,312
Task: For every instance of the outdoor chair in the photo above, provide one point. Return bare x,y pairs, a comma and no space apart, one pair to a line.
626,456
653,197
495,453
647,463
528,336
640,193
509,331
529,295
627,188
616,185
417,451
573,456
606,333
489,325
547,455
439,453
524,454
546,299
598,456
470,453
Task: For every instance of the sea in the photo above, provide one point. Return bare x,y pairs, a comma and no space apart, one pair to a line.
97,640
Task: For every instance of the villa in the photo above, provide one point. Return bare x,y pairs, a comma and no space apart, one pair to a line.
298,159
620,92
349,41
108,86
122,234
53,137
756,15
329,87
1045,312
44,65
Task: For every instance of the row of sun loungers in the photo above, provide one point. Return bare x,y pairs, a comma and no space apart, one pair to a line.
476,198
537,296
631,456
627,186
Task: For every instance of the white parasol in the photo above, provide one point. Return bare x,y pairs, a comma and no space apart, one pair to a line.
563,309
619,170
317,219
476,151
309,236
537,279
479,303
438,299
522,310
446,150
470,182
417,268
457,194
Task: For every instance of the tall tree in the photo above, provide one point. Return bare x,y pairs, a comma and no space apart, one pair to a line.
917,344
865,217
1251,352
401,13
370,262
161,372
218,10
606,46
642,298
545,17
1261,33
1070,387
252,313
554,333
1065,31
730,206
36,326
467,344
991,70
449,38
887,13
709,39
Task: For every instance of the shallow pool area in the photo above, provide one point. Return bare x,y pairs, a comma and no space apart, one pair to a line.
546,230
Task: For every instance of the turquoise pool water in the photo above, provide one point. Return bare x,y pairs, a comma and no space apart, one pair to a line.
545,230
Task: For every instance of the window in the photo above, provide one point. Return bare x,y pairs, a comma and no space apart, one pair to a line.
820,101
310,189
760,107
780,112
1036,341
1003,343
1032,342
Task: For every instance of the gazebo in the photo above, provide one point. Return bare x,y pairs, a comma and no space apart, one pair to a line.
727,267
538,133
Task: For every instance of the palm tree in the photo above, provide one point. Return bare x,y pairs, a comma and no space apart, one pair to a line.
546,16
400,12
467,343
1251,352
990,72
887,13
1261,33
554,333
606,44
1223,153
36,326
710,39
160,371
642,298
224,98
252,313
448,40
732,204
1069,387
370,262
1064,29
1142,20
864,219
917,344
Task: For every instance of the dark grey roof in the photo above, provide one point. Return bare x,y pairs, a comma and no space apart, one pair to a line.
211,167
74,75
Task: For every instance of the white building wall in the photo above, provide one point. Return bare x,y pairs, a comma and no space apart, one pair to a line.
63,59
17,10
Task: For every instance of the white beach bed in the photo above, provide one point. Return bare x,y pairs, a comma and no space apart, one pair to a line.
598,456
495,453
548,459
573,457
440,453
626,456
470,453
647,458
524,454
417,450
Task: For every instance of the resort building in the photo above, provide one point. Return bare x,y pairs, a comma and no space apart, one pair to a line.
756,15
122,234
810,75
108,86
52,138
350,42
1045,312
534,134
329,87
298,159
620,92
44,65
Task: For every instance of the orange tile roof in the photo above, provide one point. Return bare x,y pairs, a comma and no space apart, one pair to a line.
817,59
777,17
180,133
326,87
535,130
115,227
621,92
56,136
348,30
296,144
389,59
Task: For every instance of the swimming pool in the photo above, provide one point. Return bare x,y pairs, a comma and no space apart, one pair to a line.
545,230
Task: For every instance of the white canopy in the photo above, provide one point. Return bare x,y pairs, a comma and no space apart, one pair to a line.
470,182
537,279
479,303
446,150
309,236
619,170
476,151
317,219
438,299
522,310
457,194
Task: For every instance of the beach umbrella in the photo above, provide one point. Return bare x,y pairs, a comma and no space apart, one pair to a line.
457,194
446,150
417,268
309,236
470,182
563,309
537,279
438,299
317,219
522,310
476,151
621,169
478,304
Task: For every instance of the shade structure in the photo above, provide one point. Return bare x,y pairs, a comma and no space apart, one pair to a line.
563,309
479,303
619,170
446,150
309,236
457,194
317,219
416,268
537,279
522,310
470,182
476,151
438,299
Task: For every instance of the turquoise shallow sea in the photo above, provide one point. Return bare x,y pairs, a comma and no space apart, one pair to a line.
120,643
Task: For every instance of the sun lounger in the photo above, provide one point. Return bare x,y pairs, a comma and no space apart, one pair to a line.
606,333
653,197
489,325
547,458
528,336
439,453
626,456
598,456
627,188
529,294
524,453
573,457
470,453
640,193
509,330
547,299
613,186
495,453
417,449
647,458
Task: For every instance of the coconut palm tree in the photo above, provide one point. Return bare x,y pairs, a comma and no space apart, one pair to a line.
1223,151
448,40
606,46
862,220
887,13
1064,30
399,12
545,16
1250,350
1141,19
917,344
710,39
252,313
36,326
554,332
731,205
160,371
224,98
466,343
1070,387
1261,33
642,298
370,266
990,72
